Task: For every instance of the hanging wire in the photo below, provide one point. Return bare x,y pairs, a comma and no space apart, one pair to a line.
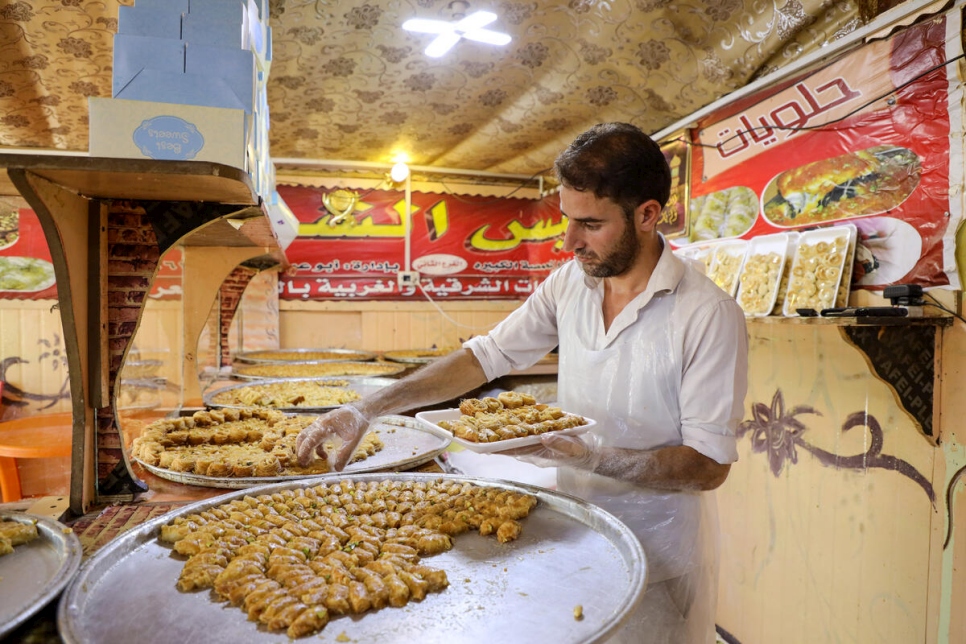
824,126
941,306
456,323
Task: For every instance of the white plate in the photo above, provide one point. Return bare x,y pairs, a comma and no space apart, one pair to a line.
25,274
761,250
815,290
431,418
888,249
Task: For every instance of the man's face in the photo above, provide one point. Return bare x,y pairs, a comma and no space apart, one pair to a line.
602,239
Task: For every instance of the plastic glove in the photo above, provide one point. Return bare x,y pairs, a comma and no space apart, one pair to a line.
346,424
561,450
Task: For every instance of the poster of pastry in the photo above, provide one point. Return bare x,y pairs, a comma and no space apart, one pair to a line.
868,140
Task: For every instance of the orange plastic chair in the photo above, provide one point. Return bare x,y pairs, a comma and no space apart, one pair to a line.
43,436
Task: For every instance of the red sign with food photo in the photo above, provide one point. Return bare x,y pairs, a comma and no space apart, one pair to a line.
26,269
353,244
867,140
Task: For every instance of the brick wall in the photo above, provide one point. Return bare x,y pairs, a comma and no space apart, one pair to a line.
230,295
133,254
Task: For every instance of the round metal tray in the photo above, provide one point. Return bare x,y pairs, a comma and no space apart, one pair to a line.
570,553
362,386
278,355
35,572
406,444
414,356
352,369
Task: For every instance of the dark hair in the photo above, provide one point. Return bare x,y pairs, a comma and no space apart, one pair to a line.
617,161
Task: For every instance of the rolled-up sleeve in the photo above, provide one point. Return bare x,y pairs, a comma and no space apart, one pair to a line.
715,381
525,336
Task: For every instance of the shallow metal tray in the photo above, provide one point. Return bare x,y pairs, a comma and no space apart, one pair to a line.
407,358
406,444
362,386
35,572
387,368
570,553
272,355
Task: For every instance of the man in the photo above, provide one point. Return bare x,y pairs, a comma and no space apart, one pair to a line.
648,347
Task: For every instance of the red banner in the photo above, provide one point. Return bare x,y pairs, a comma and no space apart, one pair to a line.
866,140
462,246
26,269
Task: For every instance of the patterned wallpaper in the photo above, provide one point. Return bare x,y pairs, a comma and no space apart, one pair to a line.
347,83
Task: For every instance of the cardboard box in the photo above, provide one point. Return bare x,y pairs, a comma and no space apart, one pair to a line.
200,29
157,22
147,130
236,67
181,6
229,10
135,53
187,89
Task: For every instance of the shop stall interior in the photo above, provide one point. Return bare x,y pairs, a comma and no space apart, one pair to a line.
220,220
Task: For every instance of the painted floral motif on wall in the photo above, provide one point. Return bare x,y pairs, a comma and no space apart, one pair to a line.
777,432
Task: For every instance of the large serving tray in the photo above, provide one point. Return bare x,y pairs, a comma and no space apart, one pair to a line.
37,571
349,369
570,554
362,386
406,444
302,355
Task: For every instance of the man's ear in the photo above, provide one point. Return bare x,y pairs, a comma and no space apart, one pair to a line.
647,215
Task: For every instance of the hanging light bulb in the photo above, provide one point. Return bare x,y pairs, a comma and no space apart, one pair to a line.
399,172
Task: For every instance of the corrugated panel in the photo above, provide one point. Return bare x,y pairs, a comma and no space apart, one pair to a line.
32,346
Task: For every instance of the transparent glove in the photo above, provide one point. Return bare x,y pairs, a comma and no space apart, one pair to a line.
557,450
334,436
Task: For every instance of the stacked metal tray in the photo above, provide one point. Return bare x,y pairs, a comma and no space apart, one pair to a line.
310,369
570,554
37,571
305,355
362,386
407,443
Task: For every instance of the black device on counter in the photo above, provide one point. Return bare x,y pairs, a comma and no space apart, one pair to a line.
866,312
904,295
807,313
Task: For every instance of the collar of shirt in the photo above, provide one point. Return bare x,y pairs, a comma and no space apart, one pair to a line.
666,276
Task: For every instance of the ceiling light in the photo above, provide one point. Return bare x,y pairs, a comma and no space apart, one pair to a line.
399,172
449,33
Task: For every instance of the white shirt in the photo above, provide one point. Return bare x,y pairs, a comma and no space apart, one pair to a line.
671,369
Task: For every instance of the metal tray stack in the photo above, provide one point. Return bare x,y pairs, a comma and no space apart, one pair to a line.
305,355
570,554
362,386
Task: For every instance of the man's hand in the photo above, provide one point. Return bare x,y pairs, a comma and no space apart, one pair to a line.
347,425
555,450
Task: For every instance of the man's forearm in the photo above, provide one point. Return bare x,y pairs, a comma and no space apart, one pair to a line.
443,379
678,468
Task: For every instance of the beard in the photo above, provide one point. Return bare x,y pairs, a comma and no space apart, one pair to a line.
617,260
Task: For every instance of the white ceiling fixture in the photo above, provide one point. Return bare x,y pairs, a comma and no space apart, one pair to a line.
450,33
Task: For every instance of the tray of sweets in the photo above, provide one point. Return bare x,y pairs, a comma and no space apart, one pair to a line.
572,574
761,274
305,355
406,443
816,269
297,395
36,572
726,261
290,370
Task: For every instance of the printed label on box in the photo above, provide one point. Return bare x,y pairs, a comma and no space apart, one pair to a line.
168,138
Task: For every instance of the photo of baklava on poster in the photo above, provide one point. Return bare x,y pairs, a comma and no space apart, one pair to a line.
872,139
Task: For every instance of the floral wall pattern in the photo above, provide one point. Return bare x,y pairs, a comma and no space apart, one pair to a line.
347,83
